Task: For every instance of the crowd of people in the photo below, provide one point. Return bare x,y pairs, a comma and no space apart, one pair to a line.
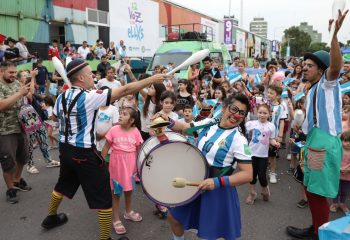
247,114
17,51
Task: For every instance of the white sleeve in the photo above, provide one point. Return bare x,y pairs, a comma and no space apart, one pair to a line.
241,149
284,112
204,122
97,98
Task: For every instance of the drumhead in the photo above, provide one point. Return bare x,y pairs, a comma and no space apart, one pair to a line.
152,142
166,162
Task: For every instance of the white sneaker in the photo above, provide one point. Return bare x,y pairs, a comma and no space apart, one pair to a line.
53,163
32,169
289,156
273,178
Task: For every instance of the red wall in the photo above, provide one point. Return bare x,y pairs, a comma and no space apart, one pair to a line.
77,4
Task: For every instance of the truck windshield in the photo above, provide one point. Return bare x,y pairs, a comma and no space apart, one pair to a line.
163,59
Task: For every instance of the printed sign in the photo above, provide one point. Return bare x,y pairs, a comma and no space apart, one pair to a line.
228,24
137,23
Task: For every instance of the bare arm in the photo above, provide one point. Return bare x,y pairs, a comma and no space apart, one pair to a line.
134,87
105,149
336,59
131,75
11,100
280,130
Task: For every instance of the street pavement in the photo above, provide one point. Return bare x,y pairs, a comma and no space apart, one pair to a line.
261,221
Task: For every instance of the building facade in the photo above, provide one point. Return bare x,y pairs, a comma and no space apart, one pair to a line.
315,36
41,21
259,26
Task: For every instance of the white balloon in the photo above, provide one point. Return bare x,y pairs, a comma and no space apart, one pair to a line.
68,60
60,69
195,58
337,5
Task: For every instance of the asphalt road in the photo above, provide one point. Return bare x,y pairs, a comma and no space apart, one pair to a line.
262,221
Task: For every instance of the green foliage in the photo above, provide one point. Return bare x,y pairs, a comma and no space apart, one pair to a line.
299,42
317,47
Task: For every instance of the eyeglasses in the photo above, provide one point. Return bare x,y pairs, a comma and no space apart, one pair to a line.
234,109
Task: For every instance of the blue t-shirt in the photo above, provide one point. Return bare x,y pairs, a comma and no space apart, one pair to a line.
41,77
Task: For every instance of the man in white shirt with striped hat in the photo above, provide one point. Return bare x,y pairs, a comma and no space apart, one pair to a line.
80,163
323,148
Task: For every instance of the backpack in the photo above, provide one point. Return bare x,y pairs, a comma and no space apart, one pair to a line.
29,119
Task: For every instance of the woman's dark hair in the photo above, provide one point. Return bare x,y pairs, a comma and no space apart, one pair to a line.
134,115
49,101
223,92
242,99
188,85
295,74
160,88
168,94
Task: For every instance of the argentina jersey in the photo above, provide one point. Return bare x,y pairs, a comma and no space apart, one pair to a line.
278,113
81,126
328,107
221,146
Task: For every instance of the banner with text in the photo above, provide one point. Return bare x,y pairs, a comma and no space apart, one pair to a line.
213,29
136,22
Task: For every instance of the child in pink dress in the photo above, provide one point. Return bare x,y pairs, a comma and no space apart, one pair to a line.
125,140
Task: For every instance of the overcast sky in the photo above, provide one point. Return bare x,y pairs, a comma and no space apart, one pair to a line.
280,14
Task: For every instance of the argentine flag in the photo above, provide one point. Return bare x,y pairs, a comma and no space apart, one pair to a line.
345,88
233,77
298,96
211,102
195,110
284,93
257,79
287,81
218,111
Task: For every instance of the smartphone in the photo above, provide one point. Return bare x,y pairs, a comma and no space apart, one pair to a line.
35,65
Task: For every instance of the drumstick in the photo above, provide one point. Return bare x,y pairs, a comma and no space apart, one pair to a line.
60,69
195,58
182,182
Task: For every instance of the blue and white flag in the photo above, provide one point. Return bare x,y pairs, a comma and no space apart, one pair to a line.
233,77
218,111
298,96
249,87
254,71
300,144
287,81
211,102
284,93
345,88
257,79
195,110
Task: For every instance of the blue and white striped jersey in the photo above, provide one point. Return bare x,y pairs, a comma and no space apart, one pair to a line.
82,117
328,107
279,112
220,146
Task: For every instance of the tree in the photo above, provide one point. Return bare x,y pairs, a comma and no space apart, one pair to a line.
317,47
299,41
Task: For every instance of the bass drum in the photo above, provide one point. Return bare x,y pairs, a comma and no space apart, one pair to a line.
166,162
152,142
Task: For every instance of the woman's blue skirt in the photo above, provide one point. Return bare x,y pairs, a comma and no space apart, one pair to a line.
215,214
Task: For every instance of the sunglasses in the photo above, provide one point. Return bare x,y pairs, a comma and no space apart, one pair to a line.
234,109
